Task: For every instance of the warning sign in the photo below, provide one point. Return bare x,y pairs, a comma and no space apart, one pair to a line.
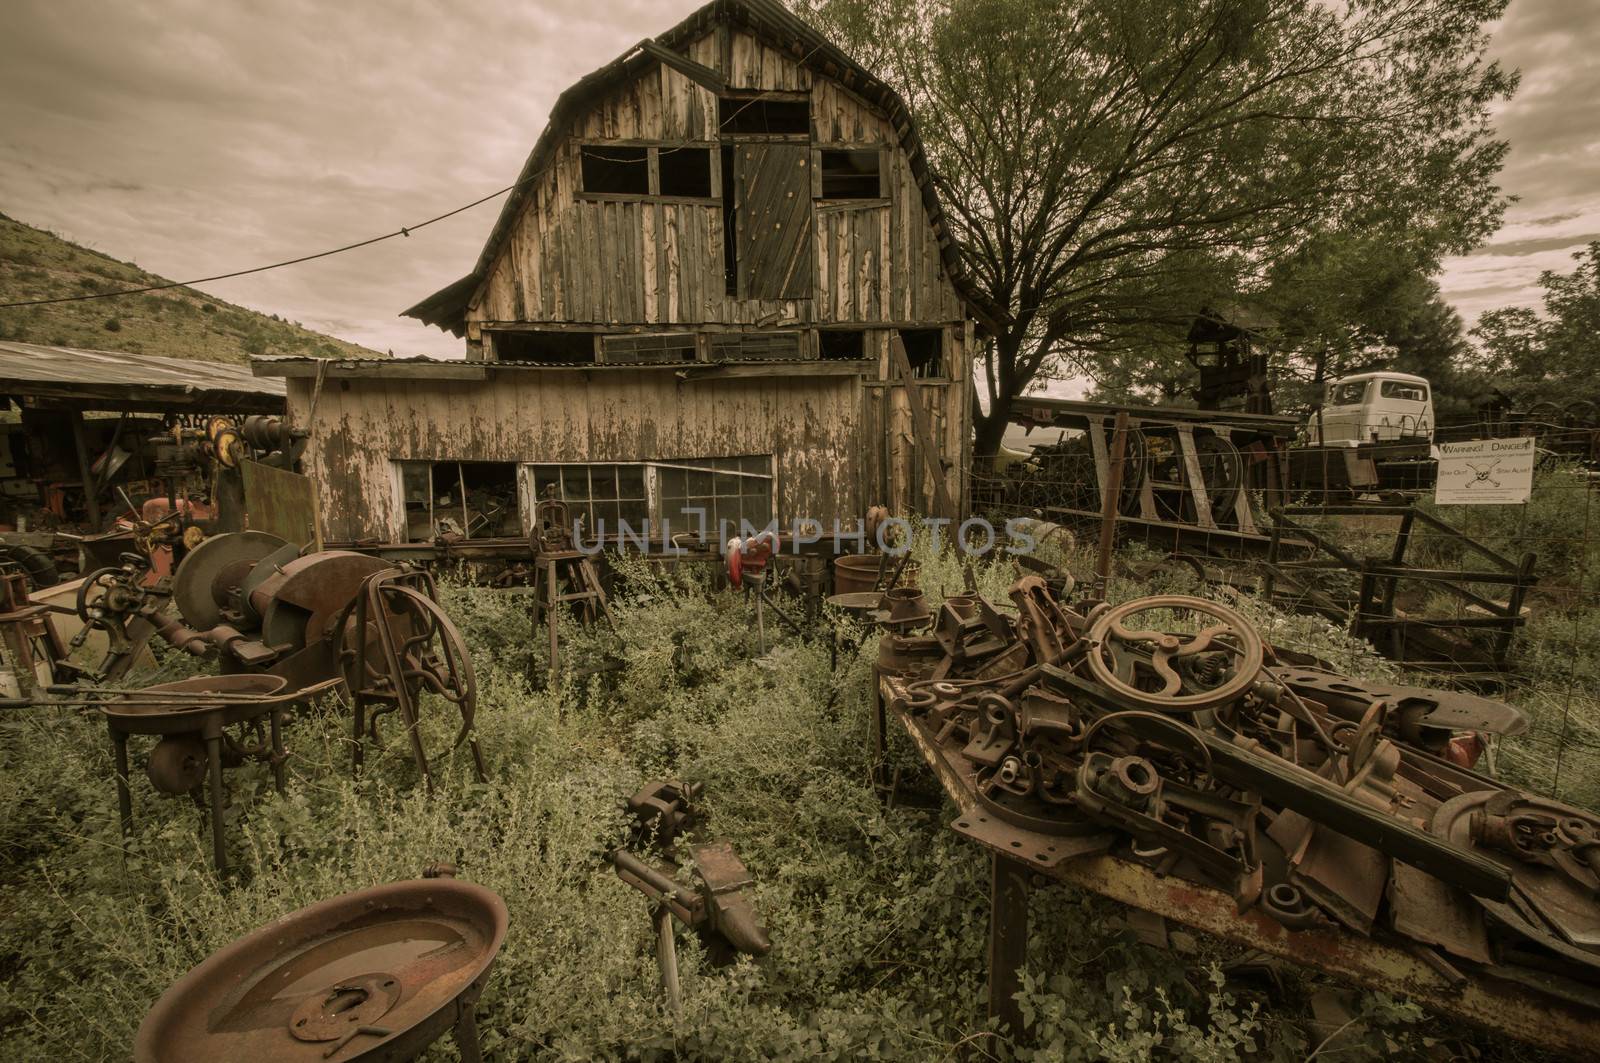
1485,472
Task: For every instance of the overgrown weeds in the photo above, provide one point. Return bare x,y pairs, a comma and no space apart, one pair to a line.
877,912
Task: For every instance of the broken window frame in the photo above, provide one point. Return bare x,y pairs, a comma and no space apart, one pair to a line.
741,468
498,340
653,150
457,510
819,179
940,372
825,335
747,99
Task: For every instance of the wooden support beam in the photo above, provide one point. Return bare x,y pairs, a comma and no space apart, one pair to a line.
921,425
81,445
699,74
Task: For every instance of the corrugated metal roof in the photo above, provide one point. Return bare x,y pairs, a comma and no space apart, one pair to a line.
22,364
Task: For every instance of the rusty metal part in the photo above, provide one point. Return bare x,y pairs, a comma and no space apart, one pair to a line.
202,722
387,969
177,764
206,582
1529,1002
1414,708
1189,673
397,645
663,809
1549,849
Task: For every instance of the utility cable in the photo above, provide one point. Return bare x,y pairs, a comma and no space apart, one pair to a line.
405,230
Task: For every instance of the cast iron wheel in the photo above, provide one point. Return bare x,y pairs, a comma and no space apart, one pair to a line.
1174,672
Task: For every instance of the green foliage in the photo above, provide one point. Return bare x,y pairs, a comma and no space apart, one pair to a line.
1549,357
1111,168
878,913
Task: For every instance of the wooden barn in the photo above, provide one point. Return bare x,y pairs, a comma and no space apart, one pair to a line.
721,283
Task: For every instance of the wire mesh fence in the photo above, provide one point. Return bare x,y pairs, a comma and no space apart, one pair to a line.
1498,598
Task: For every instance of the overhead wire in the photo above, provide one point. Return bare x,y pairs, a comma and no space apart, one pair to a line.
404,230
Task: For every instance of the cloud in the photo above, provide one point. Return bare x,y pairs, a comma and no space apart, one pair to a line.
197,138
1553,127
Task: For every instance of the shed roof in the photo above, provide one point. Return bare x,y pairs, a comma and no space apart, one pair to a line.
769,21
112,380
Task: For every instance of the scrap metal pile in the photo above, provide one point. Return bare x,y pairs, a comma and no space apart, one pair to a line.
1167,732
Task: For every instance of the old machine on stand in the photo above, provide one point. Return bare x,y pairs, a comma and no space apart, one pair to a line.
286,626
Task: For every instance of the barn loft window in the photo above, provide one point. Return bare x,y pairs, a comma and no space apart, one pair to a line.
547,347
709,497
679,171
925,352
673,347
764,114
755,346
470,499
842,344
685,172
615,169
849,174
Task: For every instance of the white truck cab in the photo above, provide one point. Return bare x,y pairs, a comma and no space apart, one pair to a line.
1366,406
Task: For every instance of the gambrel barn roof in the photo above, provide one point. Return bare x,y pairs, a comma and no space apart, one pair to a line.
773,24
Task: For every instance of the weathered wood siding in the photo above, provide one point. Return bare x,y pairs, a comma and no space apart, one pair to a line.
809,424
577,261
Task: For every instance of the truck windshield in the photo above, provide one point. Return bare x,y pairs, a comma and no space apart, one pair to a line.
1346,394
1400,389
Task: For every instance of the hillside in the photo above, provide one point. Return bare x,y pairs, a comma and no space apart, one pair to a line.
178,323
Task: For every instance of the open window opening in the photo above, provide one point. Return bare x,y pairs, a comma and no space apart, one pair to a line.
616,169
849,174
685,172
925,352
547,348
764,115
464,499
842,344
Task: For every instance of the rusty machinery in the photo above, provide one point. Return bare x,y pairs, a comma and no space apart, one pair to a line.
378,974
266,607
287,627
1167,736
716,904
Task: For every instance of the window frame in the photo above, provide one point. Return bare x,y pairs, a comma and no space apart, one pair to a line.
402,465
1410,385
654,490
653,149
838,202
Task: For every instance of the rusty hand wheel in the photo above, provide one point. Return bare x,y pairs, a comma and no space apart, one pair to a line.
1174,672
398,644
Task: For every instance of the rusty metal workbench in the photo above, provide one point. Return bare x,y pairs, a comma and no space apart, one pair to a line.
1017,855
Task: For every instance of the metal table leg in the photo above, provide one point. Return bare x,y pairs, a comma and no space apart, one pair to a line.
219,847
119,752
1008,939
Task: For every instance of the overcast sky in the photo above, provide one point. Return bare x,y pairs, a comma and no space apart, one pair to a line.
195,137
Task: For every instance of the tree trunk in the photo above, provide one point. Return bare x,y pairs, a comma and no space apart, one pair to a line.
988,431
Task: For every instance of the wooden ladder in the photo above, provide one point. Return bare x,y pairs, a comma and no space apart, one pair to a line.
583,590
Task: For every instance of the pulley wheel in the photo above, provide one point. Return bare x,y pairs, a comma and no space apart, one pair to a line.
211,571
1174,672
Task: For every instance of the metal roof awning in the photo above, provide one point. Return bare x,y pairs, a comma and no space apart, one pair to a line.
34,375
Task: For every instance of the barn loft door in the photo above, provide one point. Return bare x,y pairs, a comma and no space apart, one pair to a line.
773,203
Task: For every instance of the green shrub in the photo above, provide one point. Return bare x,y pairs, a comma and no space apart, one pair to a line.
878,912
